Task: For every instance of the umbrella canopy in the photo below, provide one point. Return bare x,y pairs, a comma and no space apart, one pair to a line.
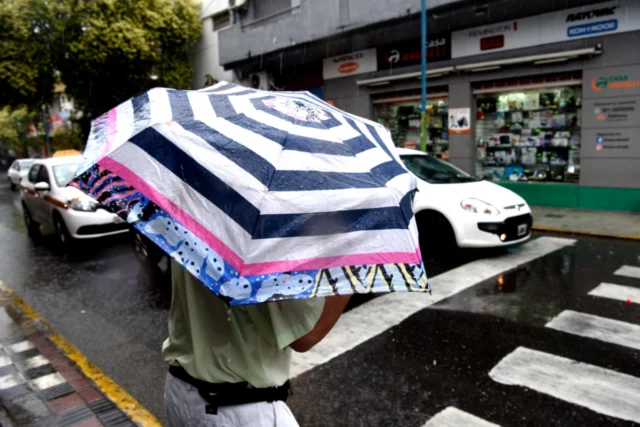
261,195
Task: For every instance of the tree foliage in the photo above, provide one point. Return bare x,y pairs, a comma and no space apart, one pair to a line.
114,48
26,54
14,130
105,50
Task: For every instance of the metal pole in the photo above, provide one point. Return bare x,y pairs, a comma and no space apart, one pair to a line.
423,111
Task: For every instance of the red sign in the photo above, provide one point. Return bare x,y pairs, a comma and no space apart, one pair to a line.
493,42
348,67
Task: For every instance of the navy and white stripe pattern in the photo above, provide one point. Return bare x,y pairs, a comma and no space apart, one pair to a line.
274,184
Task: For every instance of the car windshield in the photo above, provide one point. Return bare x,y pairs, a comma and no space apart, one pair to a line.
435,171
64,173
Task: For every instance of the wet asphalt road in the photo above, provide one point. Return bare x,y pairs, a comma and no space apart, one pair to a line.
114,310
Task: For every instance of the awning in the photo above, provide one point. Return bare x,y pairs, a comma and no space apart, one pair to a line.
547,58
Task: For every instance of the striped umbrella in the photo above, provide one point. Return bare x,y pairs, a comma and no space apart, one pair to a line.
261,195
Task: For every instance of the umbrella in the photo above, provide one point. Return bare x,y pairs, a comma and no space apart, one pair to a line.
261,195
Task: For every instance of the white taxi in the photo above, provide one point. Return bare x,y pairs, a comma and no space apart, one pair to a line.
47,201
454,209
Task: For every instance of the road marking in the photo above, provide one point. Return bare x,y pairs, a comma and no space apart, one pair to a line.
601,390
48,381
373,318
617,292
596,327
11,380
21,346
127,404
628,271
454,417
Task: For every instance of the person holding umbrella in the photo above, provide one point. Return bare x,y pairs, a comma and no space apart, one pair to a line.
274,207
231,367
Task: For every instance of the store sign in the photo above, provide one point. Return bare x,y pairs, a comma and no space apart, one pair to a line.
611,112
615,82
410,53
586,21
363,61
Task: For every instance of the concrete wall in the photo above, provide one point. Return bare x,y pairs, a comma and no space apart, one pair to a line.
205,54
308,21
620,55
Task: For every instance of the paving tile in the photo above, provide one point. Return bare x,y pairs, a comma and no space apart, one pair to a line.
5,360
17,357
14,392
90,422
73,416
26,409
33,362
57,391
8,369
47,381
20,347
90,394
11,380
12,339
40,371
109,413
64,403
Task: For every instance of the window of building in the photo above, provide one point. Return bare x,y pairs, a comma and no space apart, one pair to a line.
265,8
529,135
221,20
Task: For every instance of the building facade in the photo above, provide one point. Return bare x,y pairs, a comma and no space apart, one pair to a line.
541,97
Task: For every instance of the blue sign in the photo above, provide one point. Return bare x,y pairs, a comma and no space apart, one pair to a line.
593,28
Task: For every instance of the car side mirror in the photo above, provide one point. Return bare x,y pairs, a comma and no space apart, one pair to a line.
42,186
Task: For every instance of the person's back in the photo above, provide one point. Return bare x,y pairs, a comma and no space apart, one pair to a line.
240,356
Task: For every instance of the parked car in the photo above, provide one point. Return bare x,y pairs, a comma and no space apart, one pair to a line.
18,170
454,209
47,201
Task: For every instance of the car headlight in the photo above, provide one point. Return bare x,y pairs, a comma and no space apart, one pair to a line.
84,204
478,206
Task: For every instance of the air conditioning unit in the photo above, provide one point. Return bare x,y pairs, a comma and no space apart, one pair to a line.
261,80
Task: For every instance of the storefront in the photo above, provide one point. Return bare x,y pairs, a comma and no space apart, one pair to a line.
529,132
401,115
553,102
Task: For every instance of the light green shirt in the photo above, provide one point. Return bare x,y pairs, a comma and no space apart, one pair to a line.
215,343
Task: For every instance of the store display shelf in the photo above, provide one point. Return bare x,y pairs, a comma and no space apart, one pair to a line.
501,165
543,147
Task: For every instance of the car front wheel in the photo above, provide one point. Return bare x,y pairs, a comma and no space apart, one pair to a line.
62,233
146,251
437,238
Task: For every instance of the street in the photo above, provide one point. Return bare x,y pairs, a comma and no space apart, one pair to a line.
473,345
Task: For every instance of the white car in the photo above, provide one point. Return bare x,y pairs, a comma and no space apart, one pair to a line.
455,209
18,170
47,201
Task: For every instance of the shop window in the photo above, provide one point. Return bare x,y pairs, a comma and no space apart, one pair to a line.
403,121
529,135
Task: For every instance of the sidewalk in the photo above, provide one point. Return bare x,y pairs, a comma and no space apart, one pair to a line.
619,225
39,385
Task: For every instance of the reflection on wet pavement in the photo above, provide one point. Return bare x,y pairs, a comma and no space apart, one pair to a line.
538,291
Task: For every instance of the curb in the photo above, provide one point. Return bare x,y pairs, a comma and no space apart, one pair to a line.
109,404
585,233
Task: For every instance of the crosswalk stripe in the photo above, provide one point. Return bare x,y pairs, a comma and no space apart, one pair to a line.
454,417
617,292
628,271
373,318
601,390
596,327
